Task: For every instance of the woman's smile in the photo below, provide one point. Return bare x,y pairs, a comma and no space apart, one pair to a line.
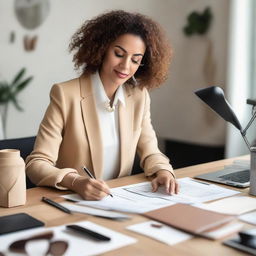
120,74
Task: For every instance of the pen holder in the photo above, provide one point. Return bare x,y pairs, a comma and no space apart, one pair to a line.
253,172
12,178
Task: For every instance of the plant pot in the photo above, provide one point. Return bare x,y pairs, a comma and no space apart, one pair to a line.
12,178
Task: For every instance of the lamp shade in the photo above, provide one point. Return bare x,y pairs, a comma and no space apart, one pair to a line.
214,97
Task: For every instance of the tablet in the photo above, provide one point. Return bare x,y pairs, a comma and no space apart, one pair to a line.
17,222
235,243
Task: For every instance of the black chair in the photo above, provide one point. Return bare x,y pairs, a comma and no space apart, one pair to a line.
25,145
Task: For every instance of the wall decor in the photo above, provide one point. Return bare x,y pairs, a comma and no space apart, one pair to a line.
12,37
29,43
9,93
199,24
31,13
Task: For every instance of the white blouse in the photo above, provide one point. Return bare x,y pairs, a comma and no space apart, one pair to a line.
109,126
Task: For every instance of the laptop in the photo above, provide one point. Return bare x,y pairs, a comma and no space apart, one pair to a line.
236,175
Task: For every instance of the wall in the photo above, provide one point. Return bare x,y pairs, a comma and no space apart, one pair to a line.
179,114
176,112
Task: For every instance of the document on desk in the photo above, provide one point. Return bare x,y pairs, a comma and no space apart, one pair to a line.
232,205
139,198
95,212
78,243
123,201
138,204
160,232
191,191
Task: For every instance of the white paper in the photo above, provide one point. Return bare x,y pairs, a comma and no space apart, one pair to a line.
139,198
224,231
123,201
232,205
164,234
123,205
73,197
78,244
249,217
191,191
95,212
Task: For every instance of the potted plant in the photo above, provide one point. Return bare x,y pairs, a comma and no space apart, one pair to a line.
9,93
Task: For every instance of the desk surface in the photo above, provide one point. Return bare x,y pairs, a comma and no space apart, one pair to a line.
144,246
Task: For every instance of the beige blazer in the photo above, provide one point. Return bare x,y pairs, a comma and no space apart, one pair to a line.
69,135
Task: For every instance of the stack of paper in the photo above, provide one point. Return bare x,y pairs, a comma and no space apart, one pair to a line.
191,191
127,198
95,212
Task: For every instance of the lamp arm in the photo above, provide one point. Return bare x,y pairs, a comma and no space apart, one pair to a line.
243,132
246,141
248,125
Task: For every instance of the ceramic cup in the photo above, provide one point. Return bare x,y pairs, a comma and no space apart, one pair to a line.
12,178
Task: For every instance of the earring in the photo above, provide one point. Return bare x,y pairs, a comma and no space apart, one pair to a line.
134,80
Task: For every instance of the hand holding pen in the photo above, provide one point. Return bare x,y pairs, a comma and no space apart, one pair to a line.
88,188
92,176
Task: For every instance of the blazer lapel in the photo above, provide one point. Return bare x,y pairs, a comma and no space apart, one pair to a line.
91,125
125,129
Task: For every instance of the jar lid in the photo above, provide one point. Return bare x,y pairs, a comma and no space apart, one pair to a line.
9,153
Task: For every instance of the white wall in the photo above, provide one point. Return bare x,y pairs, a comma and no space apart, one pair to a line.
176,112
179,113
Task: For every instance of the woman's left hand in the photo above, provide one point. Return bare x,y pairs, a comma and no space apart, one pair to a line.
164,177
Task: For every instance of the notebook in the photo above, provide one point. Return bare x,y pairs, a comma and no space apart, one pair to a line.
236,175
17,222
189,218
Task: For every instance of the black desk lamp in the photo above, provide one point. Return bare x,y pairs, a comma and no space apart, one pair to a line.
214,97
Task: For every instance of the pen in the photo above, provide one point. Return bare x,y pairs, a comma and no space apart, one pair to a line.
89,233
59,206
91,176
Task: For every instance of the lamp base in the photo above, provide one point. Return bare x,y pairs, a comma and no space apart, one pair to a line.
252,190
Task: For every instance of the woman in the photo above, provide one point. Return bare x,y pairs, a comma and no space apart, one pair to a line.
102,118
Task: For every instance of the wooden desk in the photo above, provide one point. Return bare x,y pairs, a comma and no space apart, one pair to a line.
144,246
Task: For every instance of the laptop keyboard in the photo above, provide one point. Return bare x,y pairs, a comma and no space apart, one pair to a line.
240,176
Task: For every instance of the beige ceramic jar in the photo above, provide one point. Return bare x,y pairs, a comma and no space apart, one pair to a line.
12,178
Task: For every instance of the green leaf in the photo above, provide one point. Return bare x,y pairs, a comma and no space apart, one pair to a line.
198,23
18,76
23,84
15,103
5,92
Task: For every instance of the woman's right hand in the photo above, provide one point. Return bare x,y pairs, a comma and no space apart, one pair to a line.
87,188
90,189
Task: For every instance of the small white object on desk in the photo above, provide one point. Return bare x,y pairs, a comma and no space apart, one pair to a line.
232,205
160,232
249,217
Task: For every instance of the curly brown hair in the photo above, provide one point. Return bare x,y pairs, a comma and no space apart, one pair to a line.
92,40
